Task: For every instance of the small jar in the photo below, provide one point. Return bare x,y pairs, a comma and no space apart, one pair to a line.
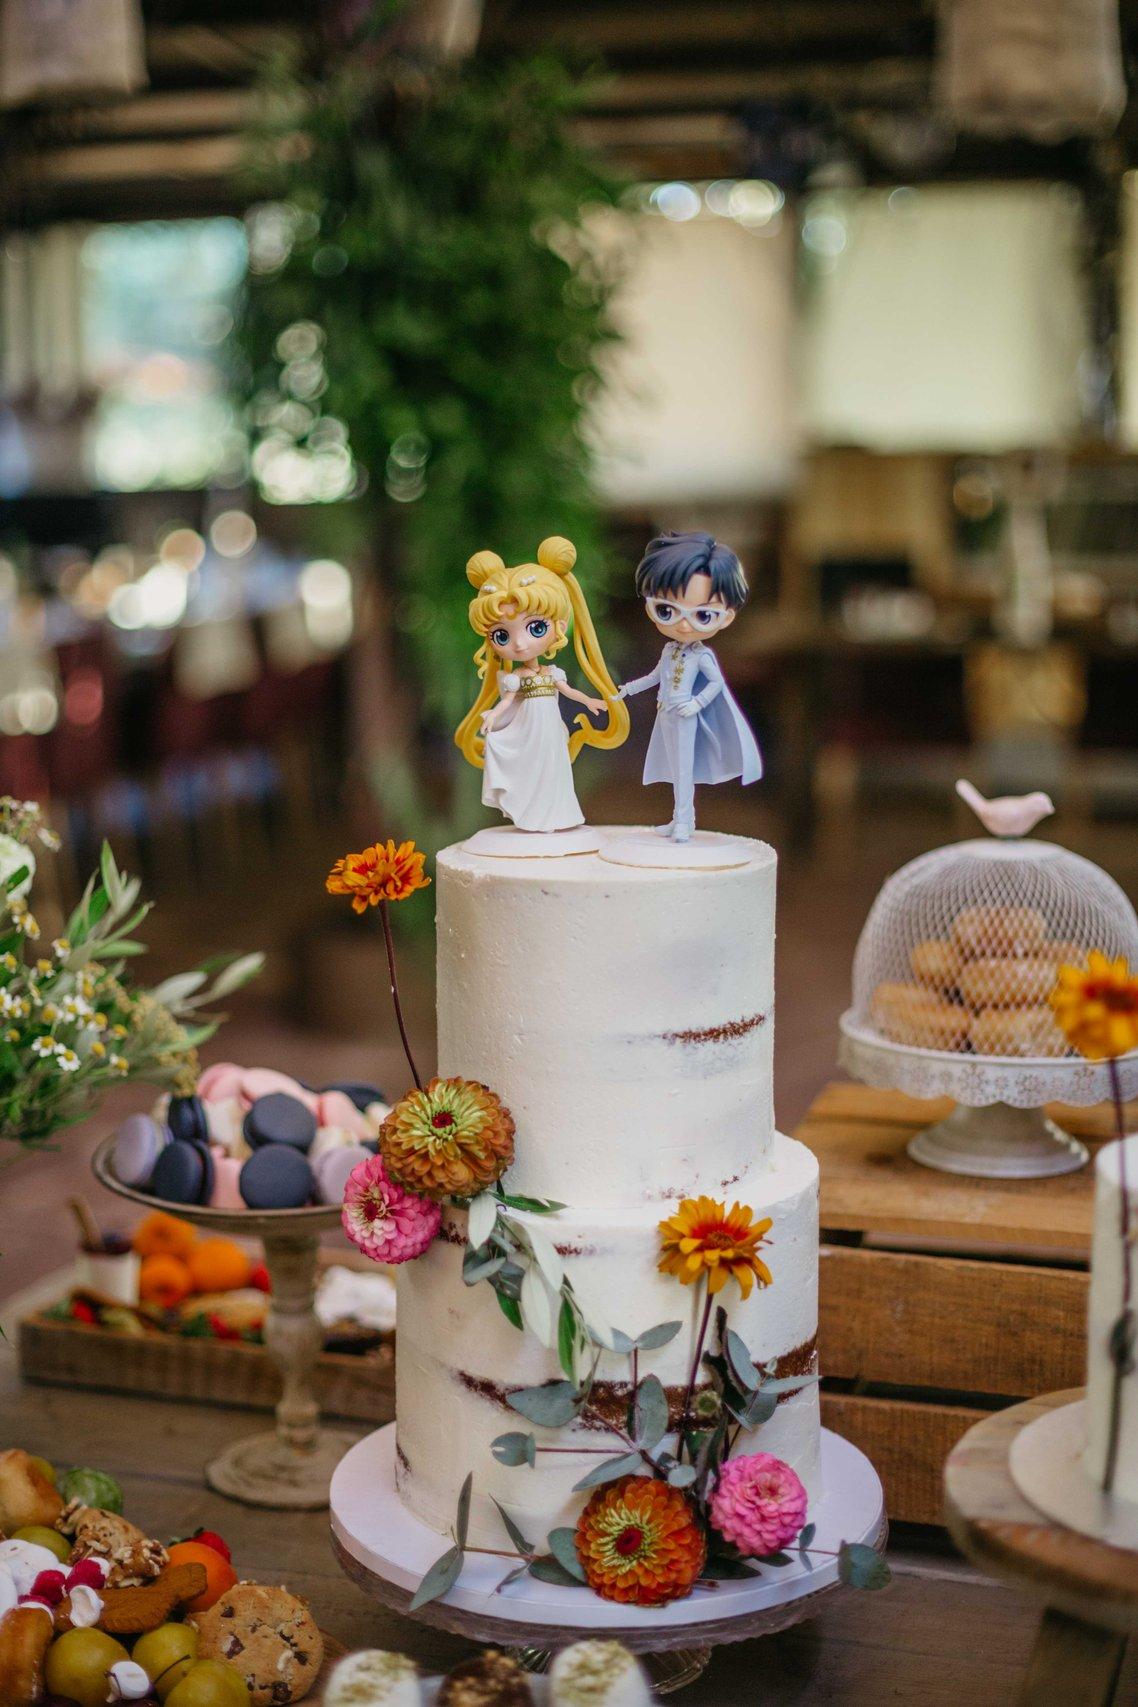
112,1271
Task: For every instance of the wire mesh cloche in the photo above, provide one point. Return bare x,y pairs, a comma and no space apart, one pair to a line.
958,958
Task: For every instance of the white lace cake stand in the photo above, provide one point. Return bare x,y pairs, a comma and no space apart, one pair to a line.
290,1468
386,1551
999,1130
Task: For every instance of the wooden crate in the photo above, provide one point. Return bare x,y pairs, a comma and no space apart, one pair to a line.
942,1298
216,1372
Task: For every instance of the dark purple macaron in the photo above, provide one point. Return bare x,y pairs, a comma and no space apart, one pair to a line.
280,1119
276,1176
183,1173
186,1119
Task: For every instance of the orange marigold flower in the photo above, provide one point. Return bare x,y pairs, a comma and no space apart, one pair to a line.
1096,1007
703,1237
452,1139
382,873
641,1542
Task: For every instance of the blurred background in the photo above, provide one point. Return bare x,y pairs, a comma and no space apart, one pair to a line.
301,305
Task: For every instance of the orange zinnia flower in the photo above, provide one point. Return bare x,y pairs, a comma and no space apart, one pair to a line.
1096,1006
640,1541
702,1237
382,873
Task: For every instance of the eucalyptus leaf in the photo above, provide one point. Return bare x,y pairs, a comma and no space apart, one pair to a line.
462,1516
512,1577
610,1470
650,1413
562,1544
550,1406
777,1559
759,1408
739,1359
622,1342
514,1449
548,1570
789,1383
722,1569
682,1476
476,1268
653,1338
482,1213
512,1530
439,1580
860,1566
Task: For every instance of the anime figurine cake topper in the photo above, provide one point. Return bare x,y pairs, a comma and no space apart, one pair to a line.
692,587
514,730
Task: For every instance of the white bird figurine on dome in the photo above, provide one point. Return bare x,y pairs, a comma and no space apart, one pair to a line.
1011,814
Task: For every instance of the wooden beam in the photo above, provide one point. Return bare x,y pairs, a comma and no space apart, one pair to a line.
732,23
234,51
105,163
197,111
883,81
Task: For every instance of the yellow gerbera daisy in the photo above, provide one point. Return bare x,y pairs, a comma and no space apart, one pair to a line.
704,1237
1096,1007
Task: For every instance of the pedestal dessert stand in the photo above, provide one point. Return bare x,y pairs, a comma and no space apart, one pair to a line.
999,1129
290,1468
386,1551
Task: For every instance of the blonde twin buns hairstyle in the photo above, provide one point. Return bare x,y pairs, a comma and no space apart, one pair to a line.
550,589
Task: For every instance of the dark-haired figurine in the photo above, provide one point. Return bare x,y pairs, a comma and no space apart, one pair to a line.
692,586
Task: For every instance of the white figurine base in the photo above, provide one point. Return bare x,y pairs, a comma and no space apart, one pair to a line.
706,851
387,1551
506,841
1046,1464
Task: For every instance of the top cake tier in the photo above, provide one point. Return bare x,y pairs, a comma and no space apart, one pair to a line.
625,1016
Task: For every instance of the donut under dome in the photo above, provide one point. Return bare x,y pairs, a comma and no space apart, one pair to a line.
962,947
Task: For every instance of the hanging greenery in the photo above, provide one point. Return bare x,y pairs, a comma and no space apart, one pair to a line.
421,330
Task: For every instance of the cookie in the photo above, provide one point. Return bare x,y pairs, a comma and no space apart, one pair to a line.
935,963
908,1014
266,1634
1021,983
132,1556
597,1673
1017,1031
374,1679
999,932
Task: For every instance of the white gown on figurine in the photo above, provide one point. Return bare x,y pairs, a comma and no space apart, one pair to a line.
527,772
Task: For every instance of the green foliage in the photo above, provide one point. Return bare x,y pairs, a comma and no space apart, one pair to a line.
427,224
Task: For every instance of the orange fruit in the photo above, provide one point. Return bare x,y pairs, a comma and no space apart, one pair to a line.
219,1573
164,1280
218,1265
162,1235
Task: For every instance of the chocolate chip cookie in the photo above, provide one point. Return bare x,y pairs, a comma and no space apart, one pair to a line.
269,1636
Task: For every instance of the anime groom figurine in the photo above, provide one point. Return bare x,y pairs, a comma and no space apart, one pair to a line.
692,586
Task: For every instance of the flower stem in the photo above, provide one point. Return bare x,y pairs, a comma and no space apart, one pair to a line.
699,1344
1122,1338
390,946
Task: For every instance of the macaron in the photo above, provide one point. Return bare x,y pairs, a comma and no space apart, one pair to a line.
335,1169
183,1173
276,1176
336,1109
224,1119
137,1144
221,1080
327,1139
357,1092
280,1119
186,1119
226,1193
263,1081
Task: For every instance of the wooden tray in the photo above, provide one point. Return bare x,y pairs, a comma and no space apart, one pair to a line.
219,1372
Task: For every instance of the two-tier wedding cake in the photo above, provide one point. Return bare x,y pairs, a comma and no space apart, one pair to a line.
625,1016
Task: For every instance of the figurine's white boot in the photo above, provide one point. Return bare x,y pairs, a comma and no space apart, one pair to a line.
665,829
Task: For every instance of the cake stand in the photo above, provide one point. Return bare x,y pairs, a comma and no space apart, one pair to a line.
999,1129
386,1550
290,1468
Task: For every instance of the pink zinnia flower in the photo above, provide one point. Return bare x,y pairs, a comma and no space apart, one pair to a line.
387,1223
758,1504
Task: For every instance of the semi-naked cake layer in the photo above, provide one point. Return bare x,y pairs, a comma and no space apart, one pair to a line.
459,1358
1105,1307
624,1015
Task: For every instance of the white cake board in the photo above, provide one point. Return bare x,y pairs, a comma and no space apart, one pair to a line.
706,851
387,1550
1046,1464
506,841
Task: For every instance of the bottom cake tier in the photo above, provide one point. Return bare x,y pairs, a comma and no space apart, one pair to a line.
459,1359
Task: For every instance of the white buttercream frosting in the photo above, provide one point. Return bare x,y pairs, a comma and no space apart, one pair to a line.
1104,1308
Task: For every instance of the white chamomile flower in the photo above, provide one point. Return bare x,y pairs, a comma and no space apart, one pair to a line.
61,948
120,1064
9,963
9,1003
67,1058
76,1008
43,1047
30,927
50,1013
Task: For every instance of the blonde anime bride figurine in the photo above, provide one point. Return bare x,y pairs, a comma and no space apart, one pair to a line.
514,730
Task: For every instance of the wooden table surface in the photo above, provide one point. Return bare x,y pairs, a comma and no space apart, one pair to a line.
939,1635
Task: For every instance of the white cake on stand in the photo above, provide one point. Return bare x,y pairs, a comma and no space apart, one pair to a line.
625,1016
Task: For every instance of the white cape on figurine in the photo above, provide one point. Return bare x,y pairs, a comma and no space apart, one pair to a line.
725,748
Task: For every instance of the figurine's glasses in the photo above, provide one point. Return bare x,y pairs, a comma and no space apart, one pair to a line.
668,613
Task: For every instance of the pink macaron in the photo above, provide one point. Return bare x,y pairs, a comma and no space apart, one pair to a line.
336,1109
221,1080
266,1081
226,1193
